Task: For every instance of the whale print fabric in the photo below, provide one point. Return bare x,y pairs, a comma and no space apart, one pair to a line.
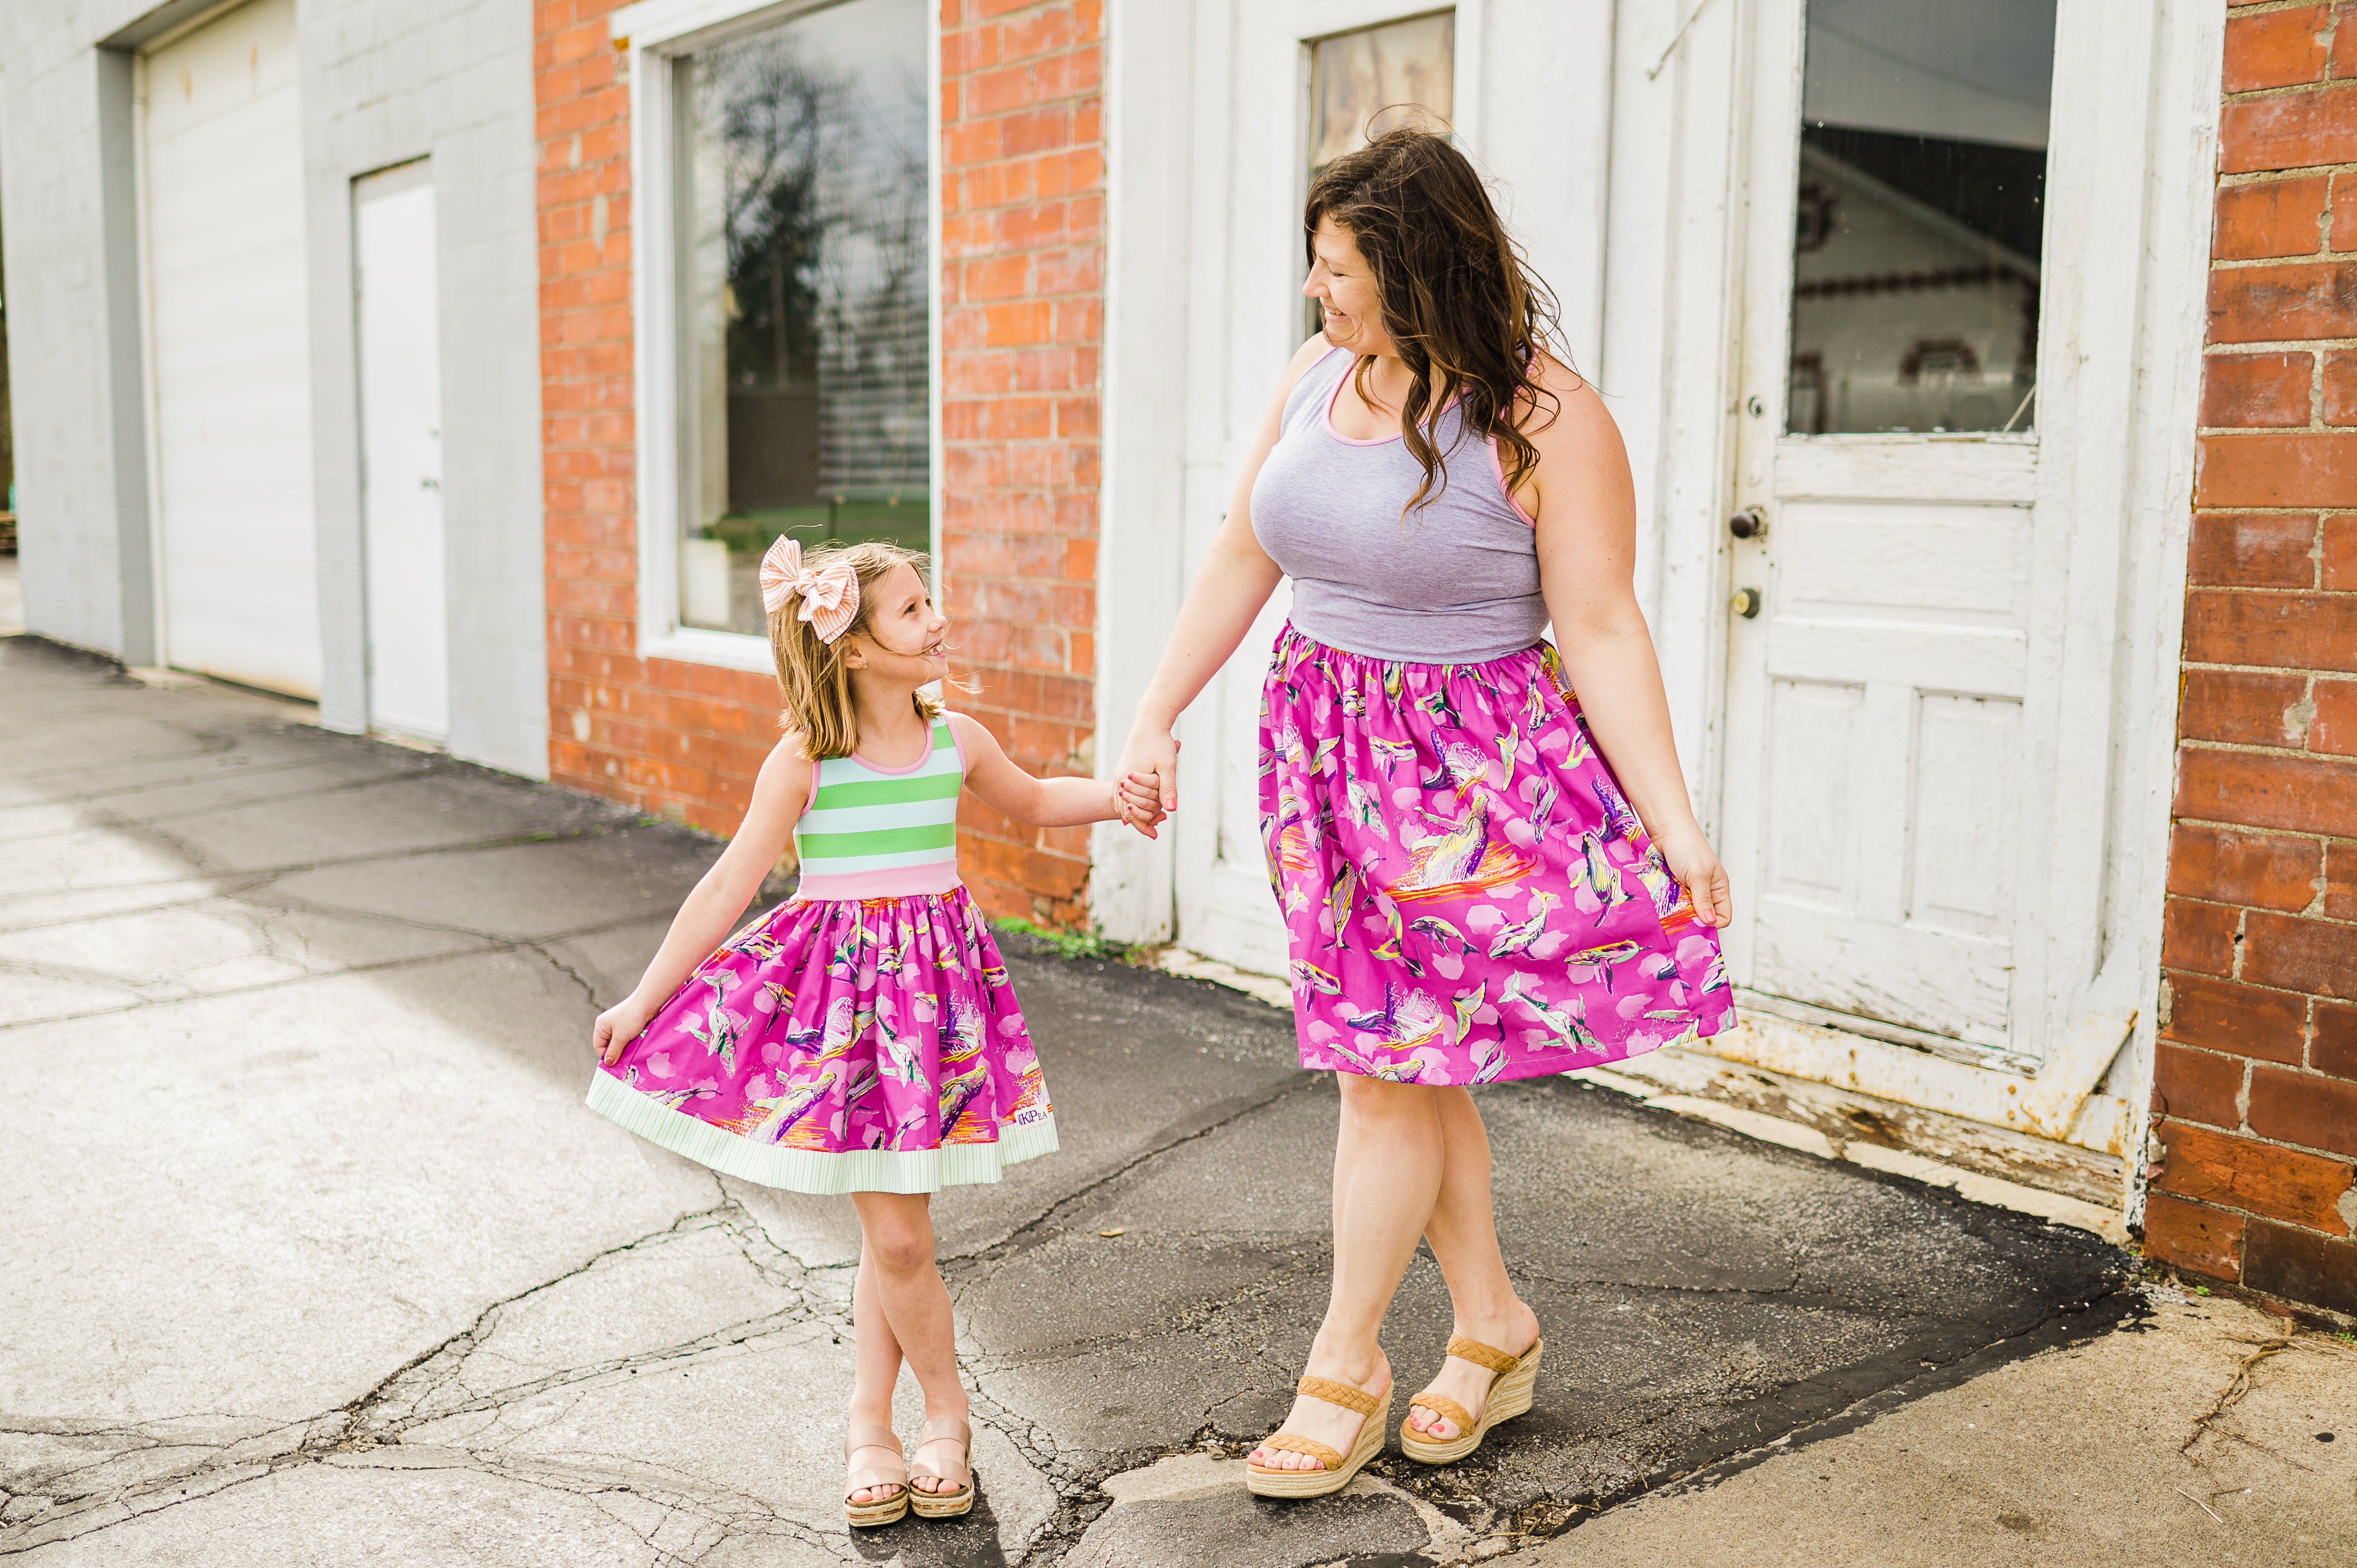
843,1045
1468,898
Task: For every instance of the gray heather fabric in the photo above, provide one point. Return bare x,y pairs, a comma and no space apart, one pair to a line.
1458,584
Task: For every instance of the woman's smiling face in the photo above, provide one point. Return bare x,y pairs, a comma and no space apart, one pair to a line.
1344,287
903,639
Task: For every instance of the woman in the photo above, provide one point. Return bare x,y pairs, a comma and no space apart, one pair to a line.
1471,893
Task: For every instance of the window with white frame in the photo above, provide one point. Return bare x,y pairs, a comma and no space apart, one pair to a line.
1372,80
799,224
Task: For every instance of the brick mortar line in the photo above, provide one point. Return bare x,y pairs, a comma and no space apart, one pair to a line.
2168,970
2241,178
2299,1070
2214,1206
2262,1141
2249,748
2292,259
2270,590
2336,923
2245,829
2227,348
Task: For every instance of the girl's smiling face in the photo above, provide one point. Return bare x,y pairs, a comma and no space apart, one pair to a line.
903,639
1344,287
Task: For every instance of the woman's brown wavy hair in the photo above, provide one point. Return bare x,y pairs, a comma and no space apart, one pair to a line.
1465,312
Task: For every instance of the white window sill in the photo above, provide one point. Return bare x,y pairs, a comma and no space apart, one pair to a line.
728,650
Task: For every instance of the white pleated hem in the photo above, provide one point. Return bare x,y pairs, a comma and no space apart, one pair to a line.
813,1170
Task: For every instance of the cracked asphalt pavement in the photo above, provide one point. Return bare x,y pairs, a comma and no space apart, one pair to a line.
312,1254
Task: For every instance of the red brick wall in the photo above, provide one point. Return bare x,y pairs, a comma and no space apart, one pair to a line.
2255,1089
1022,286
1022,323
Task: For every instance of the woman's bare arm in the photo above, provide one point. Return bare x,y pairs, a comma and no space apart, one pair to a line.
1585,503
1235,581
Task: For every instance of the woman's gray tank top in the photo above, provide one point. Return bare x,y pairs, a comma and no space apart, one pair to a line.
1456,584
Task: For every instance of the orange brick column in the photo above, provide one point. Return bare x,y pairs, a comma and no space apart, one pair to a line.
1022,322
679,740
2255,1086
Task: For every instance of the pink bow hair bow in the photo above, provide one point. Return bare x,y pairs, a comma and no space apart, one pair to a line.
830,594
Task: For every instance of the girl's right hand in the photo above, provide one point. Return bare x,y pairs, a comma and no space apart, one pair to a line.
618,1026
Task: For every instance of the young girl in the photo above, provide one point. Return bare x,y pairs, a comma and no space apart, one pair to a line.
861,1037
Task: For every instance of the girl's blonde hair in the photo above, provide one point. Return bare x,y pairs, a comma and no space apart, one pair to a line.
813,675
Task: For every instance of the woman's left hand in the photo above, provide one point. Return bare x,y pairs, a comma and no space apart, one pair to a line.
1695,865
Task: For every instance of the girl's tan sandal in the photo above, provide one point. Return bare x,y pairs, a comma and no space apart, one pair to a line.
1336,1468
960,1499
1509,1395
863,1437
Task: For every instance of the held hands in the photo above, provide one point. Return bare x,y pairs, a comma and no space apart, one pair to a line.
620,1024
1146,780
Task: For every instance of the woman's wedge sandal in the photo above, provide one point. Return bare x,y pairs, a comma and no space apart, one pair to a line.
1509,1395
950,1503
863,1437
1337,1468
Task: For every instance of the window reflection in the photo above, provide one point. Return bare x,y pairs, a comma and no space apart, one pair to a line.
1919,214
804,372
1376,79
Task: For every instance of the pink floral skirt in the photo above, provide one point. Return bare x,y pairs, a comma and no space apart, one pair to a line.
842,1046
1467,896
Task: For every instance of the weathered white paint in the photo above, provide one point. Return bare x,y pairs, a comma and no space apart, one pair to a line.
2101,490
231,350
401,451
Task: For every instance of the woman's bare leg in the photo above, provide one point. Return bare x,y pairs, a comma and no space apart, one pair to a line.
899,1291
1463,1235
1387,1173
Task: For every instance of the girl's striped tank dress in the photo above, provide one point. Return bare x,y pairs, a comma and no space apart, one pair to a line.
861,1036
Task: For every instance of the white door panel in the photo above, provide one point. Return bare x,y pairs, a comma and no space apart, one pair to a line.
231,350
1878,771
401,451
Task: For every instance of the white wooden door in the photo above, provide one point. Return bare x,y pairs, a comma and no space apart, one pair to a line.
1883,807
1257,127
401,451
227,267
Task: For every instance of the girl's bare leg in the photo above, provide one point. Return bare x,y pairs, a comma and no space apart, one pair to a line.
1463,1235
1387,1174
900,1291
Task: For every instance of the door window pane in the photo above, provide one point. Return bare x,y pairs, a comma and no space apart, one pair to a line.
804,375
1920,215
1378,78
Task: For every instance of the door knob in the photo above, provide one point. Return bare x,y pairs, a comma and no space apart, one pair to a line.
1745,603
1749,523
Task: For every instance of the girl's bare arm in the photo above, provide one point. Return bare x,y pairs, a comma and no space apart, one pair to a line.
720,899
1006,788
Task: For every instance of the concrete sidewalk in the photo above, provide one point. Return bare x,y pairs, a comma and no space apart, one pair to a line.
311,1255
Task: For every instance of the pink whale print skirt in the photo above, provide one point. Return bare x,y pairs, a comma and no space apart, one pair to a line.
1467,896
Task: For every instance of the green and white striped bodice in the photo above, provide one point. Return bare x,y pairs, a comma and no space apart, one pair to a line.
875,833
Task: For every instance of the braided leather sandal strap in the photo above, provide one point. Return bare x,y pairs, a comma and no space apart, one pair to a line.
1332,1392
1330,1458
1442,1405
1482,1355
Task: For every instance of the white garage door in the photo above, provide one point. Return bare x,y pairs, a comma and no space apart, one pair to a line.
232,351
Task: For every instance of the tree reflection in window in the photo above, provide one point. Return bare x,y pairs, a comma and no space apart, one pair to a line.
805,405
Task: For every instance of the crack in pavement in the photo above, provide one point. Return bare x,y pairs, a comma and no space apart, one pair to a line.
375,1423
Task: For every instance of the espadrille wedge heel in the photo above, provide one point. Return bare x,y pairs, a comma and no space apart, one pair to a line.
952,1501
1510,1396
1335,1468
864,1437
